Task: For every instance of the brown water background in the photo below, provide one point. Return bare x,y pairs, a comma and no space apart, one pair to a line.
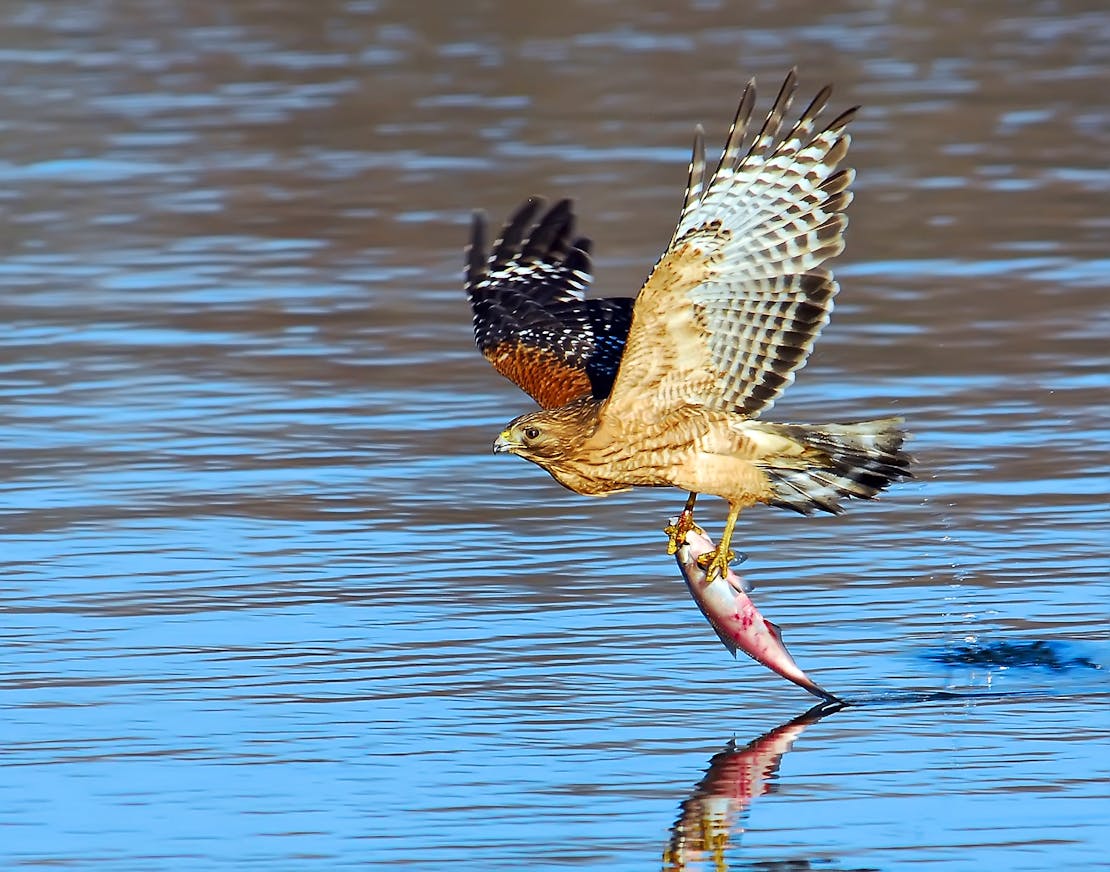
268,601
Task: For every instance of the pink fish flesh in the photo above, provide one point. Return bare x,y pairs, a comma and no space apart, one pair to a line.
734,617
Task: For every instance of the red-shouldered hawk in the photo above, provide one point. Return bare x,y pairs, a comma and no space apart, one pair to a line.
665,390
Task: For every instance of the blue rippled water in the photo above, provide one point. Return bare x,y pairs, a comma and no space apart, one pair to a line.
268,600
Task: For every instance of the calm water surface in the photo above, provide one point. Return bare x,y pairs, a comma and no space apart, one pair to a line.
268,601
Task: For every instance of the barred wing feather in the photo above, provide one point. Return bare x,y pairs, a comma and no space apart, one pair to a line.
734,305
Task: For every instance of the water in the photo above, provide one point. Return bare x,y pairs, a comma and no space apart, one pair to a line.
268,601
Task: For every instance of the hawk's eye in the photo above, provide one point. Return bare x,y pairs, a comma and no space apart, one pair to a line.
531,433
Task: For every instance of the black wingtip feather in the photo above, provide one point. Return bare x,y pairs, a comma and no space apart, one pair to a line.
512,236
549,236
578,258
476,250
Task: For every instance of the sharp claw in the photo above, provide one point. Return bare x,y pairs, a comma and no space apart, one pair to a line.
715,563
676,532
672,538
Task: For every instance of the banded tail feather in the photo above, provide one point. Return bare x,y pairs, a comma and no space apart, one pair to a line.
839,460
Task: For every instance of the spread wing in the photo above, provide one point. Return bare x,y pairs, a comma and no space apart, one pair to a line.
734,305
531,318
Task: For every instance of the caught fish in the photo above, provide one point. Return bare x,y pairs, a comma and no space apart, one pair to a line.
734,617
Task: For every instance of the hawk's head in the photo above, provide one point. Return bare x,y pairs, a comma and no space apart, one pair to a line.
554,440
539,436
551,434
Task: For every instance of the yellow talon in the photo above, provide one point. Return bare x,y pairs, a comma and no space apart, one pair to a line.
672,537
676,532
716,562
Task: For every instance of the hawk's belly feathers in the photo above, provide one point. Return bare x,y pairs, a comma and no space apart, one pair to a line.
695,449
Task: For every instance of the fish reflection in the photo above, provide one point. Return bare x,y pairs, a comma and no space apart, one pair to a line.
735,779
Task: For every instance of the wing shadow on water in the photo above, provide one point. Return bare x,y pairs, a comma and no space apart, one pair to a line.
711,817
1053,655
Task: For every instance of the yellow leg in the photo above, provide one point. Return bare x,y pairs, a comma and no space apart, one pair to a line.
676,533
716,562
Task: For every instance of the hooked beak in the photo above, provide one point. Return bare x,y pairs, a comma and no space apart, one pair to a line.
504,443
